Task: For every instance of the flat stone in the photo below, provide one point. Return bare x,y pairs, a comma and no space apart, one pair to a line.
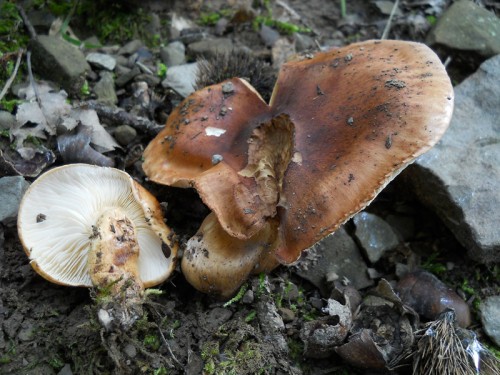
125,78
101,60
66,370
12,189
173,54
59,61
490,313
334,257
181,78
467,26
131,47
460,177
105,89
374,235
210,47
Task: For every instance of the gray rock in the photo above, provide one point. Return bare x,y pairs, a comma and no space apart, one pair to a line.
7,120
303,42
247,299
101,60
125,134
460,176
12,189
334,257
268,35
127,77
131,47
490,313
105,89
468,27
150,79
374,235
209,47
385,7
181,78
173,54
66,370
59,61
287,314
130,350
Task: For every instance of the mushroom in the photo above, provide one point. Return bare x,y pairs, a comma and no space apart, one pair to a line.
339,127
89,226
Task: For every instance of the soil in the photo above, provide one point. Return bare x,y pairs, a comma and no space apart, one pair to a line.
51,329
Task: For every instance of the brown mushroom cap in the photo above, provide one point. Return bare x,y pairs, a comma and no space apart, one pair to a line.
353,118
59,213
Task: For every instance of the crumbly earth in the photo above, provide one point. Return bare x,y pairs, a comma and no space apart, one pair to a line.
51,329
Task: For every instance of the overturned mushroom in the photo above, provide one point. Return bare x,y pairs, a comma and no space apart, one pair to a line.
83,225
339,127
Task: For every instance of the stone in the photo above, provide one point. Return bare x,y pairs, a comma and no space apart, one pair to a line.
467,26
101,60
210,47
7,120
181,79
130,350
59,61
385,7
131,47
490,313
248,297
125,134
66,370
268,35
287,314
12,189
173,54
105,89
303,42
125,78
459,178
334,257
374,235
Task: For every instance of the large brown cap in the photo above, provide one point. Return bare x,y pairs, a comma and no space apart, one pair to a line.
339,127
361,113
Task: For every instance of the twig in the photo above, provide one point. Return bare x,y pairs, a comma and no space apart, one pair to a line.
27,23
389,21
13,75
32,80
118,116
164,339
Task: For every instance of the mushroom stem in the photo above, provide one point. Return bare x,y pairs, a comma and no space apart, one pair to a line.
113,267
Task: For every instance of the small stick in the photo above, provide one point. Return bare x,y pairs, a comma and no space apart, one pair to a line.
32,80
27,23
13,75
121,117
389,21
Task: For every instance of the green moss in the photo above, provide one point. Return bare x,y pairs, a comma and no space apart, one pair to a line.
283,27
152,342
238,296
